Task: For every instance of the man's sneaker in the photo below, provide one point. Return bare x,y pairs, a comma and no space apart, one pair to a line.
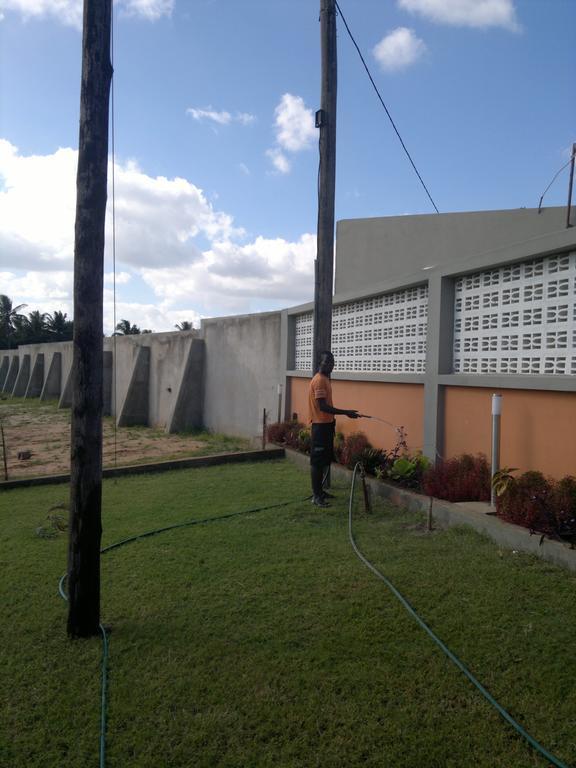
318,501
327,495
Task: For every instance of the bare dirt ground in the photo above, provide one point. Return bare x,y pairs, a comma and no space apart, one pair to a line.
43,430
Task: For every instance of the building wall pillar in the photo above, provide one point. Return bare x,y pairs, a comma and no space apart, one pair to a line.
438,361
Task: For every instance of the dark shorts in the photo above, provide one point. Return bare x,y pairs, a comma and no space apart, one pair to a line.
322,444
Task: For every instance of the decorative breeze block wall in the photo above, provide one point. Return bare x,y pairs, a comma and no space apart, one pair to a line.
303,333
519,318
383,333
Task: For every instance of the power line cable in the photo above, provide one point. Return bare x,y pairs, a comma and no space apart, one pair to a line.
385,107
552,182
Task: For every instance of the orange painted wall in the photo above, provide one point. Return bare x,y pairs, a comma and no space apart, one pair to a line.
400,404
538,428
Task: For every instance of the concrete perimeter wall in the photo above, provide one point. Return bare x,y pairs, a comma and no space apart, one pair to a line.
154,380
245,364
50,366
167,358
221,377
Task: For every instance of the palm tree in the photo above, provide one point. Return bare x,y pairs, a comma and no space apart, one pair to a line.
185,325
125,328
35,327
20,325
58,327
9,318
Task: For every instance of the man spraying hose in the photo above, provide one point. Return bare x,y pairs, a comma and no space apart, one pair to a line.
321,413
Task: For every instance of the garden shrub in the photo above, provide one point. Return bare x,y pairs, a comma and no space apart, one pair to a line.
462,478
396,465
353,448
408,471
339,441
540,504
276,433
303,439
563,507
288,433
375,461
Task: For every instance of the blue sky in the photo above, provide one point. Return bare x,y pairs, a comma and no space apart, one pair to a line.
216,153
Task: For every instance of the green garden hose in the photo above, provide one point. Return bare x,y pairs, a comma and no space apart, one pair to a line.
488,696
105,643
103,681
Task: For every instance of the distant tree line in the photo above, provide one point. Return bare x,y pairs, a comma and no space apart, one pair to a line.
38,327
125,328
34,328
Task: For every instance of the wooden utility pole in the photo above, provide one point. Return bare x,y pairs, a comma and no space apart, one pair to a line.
326,121
570,183
86,431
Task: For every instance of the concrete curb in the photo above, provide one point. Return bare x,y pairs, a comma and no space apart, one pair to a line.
162,466
472,514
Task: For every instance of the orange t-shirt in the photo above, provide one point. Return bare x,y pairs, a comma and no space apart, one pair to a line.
320,389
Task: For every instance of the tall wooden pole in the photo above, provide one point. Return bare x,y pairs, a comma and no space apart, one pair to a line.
86,431
326,119
570,184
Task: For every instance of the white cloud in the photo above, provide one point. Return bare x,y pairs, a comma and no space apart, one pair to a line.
295,131
399,49
244,117
46,291
233,277
156,218
122,278
147,9
160,218
37,208
154,317
69,12
294,123
279,160
221,118
465,13
168,235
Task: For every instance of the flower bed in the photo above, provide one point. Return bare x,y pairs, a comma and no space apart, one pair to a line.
462,478
465,478
540,504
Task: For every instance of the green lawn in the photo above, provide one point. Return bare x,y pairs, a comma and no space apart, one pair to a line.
263,641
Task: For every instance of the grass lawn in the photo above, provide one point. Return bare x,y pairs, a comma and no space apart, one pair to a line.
262,641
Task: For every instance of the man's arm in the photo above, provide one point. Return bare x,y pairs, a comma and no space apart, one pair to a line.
325,408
